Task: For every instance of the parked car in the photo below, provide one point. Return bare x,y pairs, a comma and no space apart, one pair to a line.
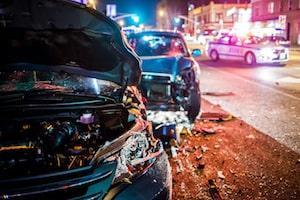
171,76
252,50
72,123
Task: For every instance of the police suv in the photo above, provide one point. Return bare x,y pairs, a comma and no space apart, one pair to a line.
252,50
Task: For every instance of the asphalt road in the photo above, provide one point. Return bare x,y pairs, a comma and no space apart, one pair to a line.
266,97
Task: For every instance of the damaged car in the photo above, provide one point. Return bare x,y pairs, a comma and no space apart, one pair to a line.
72,124
171,76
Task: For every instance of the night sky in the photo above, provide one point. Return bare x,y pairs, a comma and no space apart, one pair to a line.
146,9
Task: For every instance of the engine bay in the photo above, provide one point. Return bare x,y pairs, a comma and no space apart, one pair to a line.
43,144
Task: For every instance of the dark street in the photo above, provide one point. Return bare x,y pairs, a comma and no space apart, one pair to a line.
150,100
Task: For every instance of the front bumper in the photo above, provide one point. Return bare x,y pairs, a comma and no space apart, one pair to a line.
89,182
272,58
156,183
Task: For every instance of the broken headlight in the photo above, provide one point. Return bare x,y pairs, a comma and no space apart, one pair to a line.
138,154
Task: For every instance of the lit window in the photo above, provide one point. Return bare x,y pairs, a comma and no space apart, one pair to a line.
271,7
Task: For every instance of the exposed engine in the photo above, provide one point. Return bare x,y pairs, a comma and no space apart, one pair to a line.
31,147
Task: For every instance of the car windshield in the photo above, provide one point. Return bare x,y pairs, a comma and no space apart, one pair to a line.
158,45
32,80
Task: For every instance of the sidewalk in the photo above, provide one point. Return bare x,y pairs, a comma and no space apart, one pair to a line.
242,162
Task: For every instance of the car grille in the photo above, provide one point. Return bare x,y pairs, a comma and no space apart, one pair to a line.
156,88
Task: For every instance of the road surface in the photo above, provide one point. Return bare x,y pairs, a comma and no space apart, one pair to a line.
267,97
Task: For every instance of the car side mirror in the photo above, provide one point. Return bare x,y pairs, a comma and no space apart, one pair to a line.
196,52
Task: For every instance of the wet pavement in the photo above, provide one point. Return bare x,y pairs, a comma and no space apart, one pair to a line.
266,97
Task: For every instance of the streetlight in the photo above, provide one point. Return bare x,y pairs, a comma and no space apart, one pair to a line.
194,22
121,22
177,20
91,4
161,13
135,18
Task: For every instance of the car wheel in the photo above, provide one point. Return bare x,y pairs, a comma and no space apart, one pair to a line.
194,106
214,55
250,58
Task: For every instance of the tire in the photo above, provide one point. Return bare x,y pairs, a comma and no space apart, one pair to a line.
214,55
194,106
250,58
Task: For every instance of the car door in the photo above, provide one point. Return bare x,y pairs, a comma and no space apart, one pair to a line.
222,48
235,49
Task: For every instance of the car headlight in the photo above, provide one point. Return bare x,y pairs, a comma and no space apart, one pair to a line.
137,154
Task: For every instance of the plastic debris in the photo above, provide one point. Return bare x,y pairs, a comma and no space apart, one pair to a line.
218,94
213,191
179,167
250,136
218,117
220,175
200,167
199,156
174,152
204,148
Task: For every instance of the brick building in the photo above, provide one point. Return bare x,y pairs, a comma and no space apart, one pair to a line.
217,15
277,17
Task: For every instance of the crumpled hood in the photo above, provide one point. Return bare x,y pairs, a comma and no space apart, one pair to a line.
165,64
58,33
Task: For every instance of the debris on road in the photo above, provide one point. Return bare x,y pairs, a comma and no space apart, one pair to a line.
174,152
179,167
216,116
220,174
204,148
253,169
218,94
213,191
250,136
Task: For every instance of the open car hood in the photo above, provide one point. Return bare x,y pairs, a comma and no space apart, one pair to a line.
64,33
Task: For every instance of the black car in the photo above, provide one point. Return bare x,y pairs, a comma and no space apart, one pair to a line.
72,123
171,76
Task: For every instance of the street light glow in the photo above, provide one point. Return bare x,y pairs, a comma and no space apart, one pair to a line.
135,18
121,22
177,20
91,4
161,13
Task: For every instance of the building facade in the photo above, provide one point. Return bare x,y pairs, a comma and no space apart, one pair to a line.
217,16
277,17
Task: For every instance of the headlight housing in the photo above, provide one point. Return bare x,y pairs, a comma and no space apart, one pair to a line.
138,154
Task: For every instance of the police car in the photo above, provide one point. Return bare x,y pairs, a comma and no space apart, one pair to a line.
252,50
